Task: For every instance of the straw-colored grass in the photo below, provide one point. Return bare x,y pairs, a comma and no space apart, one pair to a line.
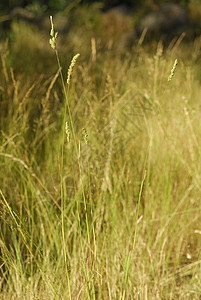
116,213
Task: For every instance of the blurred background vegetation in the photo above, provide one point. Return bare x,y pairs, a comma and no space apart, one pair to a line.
25,24
55,6
52,6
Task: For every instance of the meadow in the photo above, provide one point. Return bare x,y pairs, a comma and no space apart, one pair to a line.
100,166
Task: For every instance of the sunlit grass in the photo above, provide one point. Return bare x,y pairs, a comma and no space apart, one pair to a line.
116,213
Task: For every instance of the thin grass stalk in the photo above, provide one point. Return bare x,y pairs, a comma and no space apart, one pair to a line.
61,174
91,204
67,108
134,238
91,208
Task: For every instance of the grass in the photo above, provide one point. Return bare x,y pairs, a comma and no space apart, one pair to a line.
116,213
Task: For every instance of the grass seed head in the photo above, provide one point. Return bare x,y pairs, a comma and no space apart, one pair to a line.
173,70
70,69
85,135
67,132
53,35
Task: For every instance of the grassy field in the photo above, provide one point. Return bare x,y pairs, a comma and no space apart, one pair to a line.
100,178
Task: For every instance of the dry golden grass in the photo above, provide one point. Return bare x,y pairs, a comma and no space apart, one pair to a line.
127,224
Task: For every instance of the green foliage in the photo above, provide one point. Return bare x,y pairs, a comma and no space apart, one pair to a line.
57,5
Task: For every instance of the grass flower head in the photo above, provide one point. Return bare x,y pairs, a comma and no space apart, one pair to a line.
173,70
70,69
53,35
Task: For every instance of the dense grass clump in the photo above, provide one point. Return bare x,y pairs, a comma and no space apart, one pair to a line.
100,175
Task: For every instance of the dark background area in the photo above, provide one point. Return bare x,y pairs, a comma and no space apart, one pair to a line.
55,6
